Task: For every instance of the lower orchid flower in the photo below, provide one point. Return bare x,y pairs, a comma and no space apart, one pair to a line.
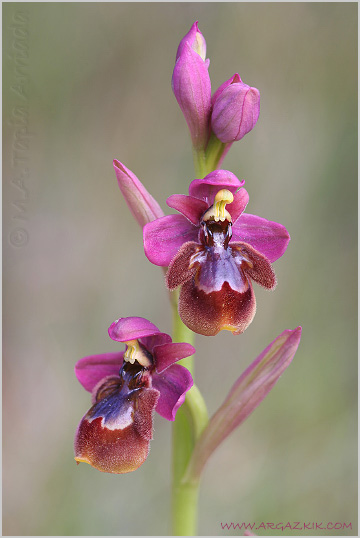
214,251
127,386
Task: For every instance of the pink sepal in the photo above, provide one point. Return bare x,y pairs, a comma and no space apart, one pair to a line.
141,204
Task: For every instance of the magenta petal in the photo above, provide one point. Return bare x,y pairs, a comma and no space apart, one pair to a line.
164,237
155,340
141,204
91,370
207,188
167,354
173,384
236,208
125,329
269,238
192,208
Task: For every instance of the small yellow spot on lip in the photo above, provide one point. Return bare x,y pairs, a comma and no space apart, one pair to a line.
217,211
82,460
230,328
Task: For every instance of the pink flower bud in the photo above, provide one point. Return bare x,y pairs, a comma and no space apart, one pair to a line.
192,87
196,41
236,108
232,80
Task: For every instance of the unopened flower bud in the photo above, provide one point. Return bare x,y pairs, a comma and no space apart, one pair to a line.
236,108
192,87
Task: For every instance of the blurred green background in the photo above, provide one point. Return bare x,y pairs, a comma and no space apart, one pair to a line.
95,84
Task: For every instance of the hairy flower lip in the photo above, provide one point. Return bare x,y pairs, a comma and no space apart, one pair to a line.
216,291
117,442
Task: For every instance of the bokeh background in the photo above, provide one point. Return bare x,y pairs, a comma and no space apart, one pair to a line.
94,85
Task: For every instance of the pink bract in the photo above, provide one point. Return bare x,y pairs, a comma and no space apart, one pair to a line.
140,202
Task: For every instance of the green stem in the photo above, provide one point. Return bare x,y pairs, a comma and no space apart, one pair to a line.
213,154
185,497
199,163
207,161
191,419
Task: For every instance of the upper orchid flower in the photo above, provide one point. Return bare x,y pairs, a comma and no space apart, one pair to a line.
191,85
213,250
114,435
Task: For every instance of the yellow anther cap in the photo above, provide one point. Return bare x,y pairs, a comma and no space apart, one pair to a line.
135,353
217,211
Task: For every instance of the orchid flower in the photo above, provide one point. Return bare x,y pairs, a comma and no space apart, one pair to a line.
214,250
126,387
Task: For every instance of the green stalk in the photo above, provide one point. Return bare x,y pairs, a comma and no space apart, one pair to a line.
191,419
206,161
213,154
199,163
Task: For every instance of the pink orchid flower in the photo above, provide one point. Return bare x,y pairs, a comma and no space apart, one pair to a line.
126,387
214,250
